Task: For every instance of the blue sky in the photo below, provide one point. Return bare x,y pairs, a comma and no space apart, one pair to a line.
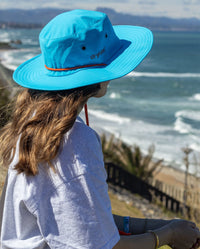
169,8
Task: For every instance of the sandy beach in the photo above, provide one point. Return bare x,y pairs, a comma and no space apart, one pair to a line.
176,178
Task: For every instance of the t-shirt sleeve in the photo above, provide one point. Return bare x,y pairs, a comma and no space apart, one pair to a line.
79,215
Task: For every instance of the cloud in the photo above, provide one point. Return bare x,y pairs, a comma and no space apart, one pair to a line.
169,8
90,4
143,2
104,1
191,2
24,4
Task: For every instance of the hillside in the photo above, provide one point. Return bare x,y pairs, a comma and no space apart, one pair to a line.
39,17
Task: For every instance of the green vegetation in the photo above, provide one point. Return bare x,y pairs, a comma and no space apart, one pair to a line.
4,106
3,173
130,157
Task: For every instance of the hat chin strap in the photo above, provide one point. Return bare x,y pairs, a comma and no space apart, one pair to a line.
86,115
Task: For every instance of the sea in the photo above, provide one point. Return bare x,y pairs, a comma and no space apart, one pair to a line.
156,104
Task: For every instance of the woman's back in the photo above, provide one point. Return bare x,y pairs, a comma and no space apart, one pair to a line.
35,202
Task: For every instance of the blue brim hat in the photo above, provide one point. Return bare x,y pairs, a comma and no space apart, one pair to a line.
80,48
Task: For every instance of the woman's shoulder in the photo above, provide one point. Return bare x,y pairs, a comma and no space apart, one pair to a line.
82,142
82,132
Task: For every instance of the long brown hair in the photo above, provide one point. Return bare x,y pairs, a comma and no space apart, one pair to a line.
40,119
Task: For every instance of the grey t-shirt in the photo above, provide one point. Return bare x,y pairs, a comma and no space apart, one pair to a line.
69,209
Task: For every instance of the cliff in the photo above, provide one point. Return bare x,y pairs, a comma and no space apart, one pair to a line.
7,85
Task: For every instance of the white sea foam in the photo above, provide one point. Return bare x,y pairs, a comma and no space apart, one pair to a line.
189,114
13,58
4,37
114,95
109,117
29,41
182,127
163,75
8,60
195,97
195,146
133,131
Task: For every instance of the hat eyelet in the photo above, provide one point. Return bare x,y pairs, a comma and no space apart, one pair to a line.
83,48
106,35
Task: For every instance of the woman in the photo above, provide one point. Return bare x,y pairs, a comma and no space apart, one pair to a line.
56,195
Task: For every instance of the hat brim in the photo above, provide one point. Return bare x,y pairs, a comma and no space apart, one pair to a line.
32,73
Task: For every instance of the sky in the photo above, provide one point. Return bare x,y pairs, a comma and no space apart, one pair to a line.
167,8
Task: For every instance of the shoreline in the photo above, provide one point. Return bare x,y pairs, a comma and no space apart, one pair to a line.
168,174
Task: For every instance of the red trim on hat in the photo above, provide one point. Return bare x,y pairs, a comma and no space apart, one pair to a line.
73,68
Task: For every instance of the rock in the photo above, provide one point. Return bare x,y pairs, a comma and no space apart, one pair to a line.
5,45
149,210
17,42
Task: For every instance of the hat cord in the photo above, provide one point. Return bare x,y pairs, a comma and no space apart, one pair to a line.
86,115
74,68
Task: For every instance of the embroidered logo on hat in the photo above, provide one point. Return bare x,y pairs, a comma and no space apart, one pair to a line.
98,54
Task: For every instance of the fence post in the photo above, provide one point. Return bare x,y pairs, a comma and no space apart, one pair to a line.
122,178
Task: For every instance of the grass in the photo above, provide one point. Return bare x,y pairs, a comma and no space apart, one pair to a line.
122,208
3,172
126,209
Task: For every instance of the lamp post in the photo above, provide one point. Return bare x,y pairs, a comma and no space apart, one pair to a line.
186,151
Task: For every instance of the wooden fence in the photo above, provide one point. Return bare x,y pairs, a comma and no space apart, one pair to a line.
122,178
193,197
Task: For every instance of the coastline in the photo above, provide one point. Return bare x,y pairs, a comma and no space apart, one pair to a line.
168,174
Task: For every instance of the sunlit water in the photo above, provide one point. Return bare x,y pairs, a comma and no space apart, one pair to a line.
158,103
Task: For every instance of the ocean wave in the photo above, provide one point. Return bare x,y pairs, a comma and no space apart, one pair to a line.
181,126
163,75
195,97
189,114
29,41
13,58
109,117
133,131
7,36
114,95
7,59
4,37
195,147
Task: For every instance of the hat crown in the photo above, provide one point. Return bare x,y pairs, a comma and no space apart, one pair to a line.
78,38
72,23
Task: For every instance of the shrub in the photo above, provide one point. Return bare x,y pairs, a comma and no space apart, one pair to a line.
130,157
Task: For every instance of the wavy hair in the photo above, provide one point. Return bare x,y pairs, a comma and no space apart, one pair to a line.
40,119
